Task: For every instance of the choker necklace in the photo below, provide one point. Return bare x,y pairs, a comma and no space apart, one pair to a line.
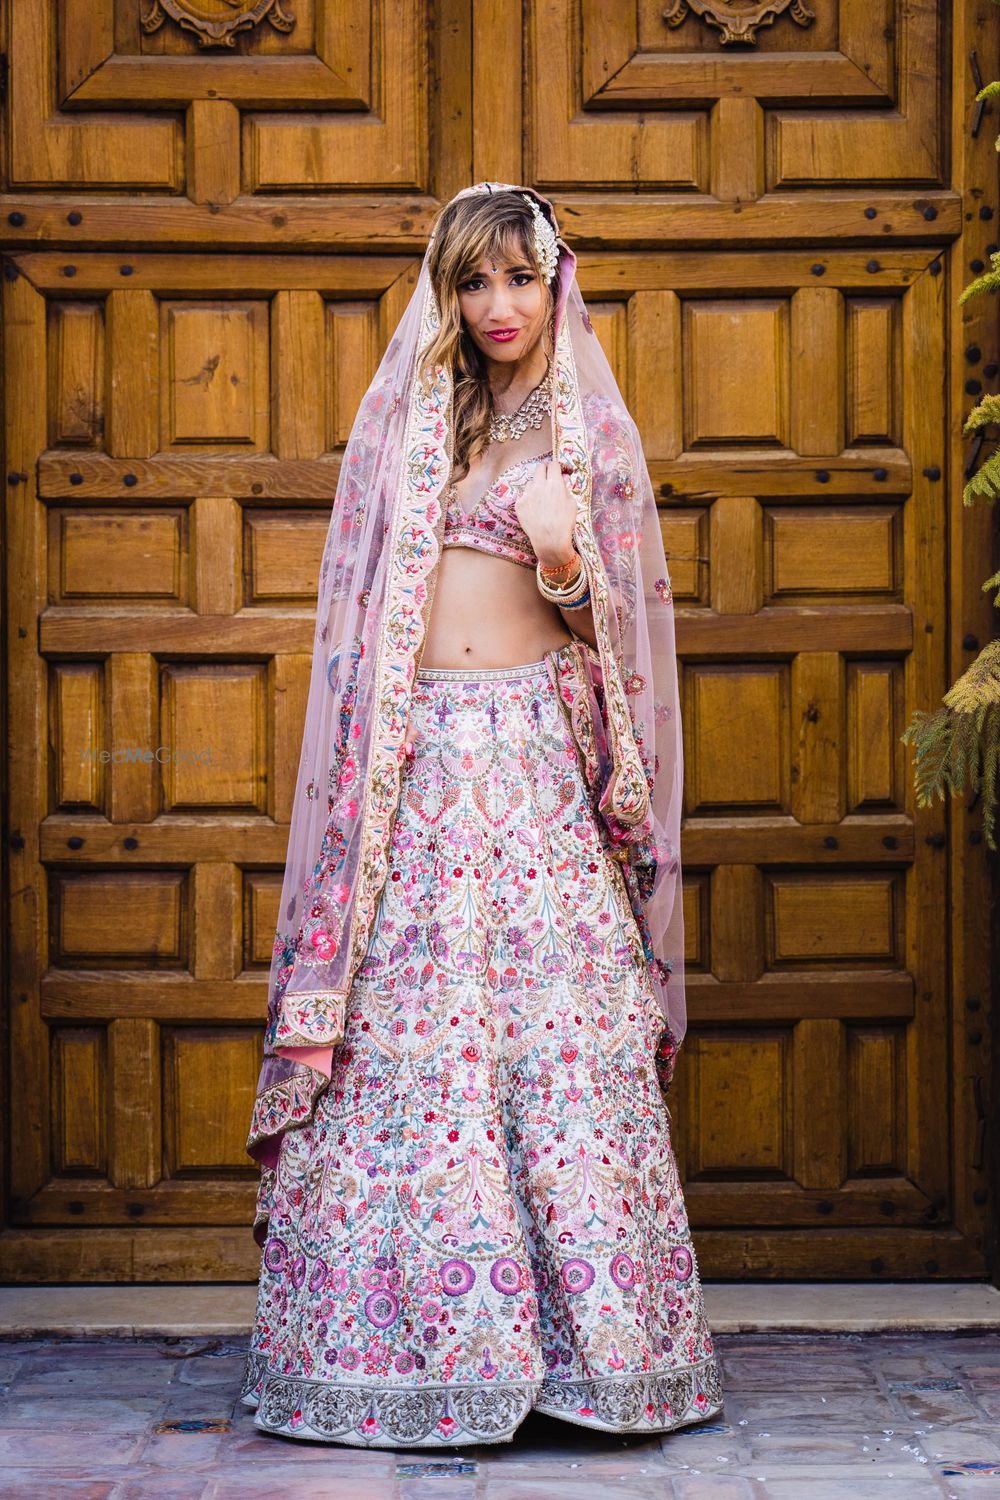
507,425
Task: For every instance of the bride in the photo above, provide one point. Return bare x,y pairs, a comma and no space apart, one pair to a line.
469,1205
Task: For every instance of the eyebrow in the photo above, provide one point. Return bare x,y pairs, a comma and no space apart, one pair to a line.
511,270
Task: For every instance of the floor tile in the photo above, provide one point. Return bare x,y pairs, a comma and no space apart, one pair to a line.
713,1487
182,1450
51,1412
153,1484
866,1452
965,1444
766,1371
248,1445
226,1370
509,1488
26,1484
896,1367
834,1409
54,1450
295,1483
848,1488
988,1400
942,1407
894,1417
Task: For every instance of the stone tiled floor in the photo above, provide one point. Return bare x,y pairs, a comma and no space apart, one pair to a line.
806,1418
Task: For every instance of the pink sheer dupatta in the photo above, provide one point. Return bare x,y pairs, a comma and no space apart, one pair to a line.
375,590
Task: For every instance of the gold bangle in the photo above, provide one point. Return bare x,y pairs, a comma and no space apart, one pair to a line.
565,586
568,593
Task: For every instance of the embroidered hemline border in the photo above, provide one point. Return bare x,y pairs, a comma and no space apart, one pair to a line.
412,1416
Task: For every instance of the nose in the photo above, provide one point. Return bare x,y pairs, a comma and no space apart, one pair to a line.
499,304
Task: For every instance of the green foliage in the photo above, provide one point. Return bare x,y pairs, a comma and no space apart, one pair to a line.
978,689
985,481
989,281
957,746
987,411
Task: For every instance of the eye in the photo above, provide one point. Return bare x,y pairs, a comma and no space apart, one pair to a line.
519,278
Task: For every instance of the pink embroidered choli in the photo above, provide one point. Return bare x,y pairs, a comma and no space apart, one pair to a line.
492,525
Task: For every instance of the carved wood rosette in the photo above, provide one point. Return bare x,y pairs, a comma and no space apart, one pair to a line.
738,20
209,20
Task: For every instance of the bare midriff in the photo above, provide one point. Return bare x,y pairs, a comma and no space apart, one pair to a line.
486,610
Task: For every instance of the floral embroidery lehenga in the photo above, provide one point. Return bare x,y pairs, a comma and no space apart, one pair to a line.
469,1205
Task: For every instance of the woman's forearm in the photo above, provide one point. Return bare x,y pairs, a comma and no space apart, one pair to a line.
581,622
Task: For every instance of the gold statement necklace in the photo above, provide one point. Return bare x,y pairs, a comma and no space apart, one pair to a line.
504,426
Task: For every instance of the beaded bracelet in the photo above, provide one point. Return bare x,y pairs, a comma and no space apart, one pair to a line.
552,575
569,594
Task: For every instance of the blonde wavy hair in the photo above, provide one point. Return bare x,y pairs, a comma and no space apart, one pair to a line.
499,225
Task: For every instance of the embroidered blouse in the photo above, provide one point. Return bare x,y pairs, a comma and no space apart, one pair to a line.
492,525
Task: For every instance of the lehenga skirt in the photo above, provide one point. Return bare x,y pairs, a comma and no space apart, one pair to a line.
484,1215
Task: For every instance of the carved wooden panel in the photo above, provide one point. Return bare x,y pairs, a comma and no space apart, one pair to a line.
120,93
798,480
658,99
178,558
774,207
210,23
738,20
79,1095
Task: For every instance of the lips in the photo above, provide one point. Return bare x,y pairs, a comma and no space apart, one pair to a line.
503,335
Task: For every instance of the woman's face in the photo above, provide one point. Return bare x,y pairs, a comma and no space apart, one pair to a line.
502,295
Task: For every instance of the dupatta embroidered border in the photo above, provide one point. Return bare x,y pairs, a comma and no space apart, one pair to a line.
414,541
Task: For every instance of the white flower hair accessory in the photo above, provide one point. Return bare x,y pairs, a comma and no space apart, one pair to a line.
546,251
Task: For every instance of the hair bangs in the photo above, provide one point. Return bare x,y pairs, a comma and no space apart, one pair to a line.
503,241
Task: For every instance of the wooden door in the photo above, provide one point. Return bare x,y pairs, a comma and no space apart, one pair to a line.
210,231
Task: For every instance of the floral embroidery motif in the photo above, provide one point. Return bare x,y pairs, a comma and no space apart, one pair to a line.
584,716
618,519
492,525
483,1214
627,793
284,1104
413,554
